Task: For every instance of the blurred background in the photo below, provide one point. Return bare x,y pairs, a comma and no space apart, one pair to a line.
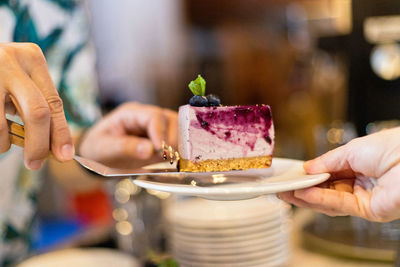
329,69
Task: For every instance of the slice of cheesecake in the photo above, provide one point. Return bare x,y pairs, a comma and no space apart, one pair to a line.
225,138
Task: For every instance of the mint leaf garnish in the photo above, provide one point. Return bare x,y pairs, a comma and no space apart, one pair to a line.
198,86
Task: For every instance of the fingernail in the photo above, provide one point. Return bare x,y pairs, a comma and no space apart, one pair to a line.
145,149
67,152
34,164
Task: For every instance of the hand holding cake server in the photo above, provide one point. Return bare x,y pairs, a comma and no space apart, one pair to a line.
131,132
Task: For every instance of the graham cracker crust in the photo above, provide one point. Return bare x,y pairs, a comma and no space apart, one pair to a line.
225,164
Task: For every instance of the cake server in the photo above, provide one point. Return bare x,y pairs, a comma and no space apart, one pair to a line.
168,173
17,137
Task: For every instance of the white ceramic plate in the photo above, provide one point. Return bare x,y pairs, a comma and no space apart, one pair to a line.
232,225
262,227
279,259
250,256
82,258
202,213
228,248
223,253
284,175
232,241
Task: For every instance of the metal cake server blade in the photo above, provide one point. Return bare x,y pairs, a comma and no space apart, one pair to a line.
17,137
105,171
167,174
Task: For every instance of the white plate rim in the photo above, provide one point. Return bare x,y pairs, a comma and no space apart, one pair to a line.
265,226
222,252
245,190
276,260
227,258
226,239
275,240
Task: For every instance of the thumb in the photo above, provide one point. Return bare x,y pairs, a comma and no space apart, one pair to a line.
334,161
61,140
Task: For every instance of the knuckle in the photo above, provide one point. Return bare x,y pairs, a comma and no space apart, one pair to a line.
32,47
55,104
157,113
353,142
128,147
380,217
351,157
34,51
125,106
61,128
5,53
60,132
129,105
40,113
121,147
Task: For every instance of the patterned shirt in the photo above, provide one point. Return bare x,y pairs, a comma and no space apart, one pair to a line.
60,28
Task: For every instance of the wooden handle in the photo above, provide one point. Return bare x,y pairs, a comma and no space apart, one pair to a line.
16,132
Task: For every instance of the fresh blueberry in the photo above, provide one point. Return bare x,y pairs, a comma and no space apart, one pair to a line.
213,101
198,101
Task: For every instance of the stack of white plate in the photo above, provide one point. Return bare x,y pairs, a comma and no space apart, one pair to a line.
251,232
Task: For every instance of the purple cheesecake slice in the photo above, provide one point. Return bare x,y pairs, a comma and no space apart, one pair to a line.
225,138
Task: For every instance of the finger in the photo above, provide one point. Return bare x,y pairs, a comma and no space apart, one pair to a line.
290,198
137,147
61,140
35,113
344,185
335,162
157,129
4,137
340,202
332,161
172,138
124,146
137,118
